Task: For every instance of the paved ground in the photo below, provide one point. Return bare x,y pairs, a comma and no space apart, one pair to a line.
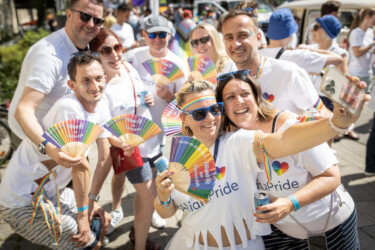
352,161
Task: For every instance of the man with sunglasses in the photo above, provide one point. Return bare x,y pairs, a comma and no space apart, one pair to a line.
43,77
283,83
157,33
123,30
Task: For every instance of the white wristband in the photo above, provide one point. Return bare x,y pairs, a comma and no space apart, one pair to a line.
338,130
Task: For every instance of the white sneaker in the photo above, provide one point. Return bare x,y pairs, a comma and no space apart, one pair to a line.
157,221
105,241
117,216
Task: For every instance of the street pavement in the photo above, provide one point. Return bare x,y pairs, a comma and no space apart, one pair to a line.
351,155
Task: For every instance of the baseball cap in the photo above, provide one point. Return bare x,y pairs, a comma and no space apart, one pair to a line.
281,24
156,24
330,24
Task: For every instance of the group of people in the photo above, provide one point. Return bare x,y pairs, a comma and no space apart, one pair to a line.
248,122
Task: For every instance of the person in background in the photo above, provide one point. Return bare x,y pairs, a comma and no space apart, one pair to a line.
123,30
328,8
361,43
205,40
52,23
370,147
109,19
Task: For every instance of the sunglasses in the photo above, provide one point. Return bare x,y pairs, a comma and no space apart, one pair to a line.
249,11
316,27
201,113
86,17
161,35
107,51
203,40
82,53
240,74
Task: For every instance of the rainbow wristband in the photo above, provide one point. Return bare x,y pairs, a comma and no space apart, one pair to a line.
294,201
83,209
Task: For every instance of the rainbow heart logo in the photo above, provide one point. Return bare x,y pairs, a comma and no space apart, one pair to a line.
220,173
280,168
268,97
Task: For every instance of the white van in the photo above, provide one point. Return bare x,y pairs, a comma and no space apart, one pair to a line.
309,10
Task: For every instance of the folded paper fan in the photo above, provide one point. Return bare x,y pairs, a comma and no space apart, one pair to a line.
73,137
170,119
193,167
202,68
162,70
132,129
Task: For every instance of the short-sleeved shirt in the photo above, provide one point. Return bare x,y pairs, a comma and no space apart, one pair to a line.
140,55
360,66
287,86
45,70
17,184
125,33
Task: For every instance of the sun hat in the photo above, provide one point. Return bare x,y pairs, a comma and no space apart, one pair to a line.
330,24
281,24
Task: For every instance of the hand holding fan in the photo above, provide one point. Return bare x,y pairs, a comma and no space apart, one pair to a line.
170,119
202,68
162,70
73,137
193,167
132,129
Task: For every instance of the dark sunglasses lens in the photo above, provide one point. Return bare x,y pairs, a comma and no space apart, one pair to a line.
194,43
152,35
106,50
316,27
98,21
199,114
163,34
216,109
204,39
85,17
117,48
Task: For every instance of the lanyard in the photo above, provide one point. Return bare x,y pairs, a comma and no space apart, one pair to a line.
217,142
260,68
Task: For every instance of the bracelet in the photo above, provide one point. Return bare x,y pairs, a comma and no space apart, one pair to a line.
294,201
82,209
129,47
338,130
165,204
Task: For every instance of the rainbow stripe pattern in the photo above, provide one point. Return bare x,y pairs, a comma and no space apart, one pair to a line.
73,137
318,104
266,160
162,70
132,129
193,166
170,119
202,68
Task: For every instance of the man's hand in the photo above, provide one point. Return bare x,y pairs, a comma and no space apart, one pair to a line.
61,158
84,232
96,209
164,93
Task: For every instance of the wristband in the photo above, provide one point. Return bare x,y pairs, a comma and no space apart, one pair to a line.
82,209
129,47
165,204
294,201
338,130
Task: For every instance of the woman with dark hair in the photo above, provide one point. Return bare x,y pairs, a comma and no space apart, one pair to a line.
305,189
226,221
123,95
361,43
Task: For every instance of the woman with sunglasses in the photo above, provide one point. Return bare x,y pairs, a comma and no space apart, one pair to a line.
304,189
122,93
205,40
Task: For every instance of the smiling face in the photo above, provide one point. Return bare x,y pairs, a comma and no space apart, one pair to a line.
158,46
241,40
207,49
239,103
81,33
111,63
206,130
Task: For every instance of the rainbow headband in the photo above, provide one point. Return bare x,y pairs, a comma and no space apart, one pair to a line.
199,99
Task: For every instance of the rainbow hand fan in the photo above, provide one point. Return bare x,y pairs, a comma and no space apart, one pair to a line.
202,68
73,137
132,129
170,119
162,70
193,167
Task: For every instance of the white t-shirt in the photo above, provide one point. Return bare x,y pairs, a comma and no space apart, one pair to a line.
140,55
287,86
360,66
232,199
290,174
229,66
125,33
312,62
44,69
317,79
120,97
17,184
293,42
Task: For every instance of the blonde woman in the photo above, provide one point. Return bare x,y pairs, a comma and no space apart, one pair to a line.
205,40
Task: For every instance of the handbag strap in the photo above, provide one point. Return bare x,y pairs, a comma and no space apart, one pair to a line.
275,119
281,51
135,96
325,226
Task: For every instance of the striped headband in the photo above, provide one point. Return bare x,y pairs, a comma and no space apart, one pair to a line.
198,99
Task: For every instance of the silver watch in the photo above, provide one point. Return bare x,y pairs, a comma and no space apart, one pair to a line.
94,197
42,147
